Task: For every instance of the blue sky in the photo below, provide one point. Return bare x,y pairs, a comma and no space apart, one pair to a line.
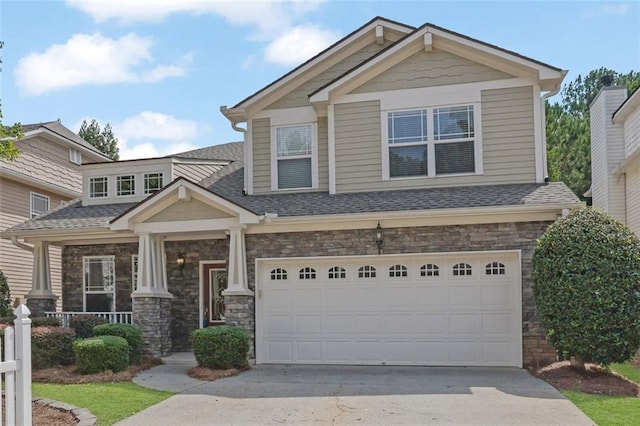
159,74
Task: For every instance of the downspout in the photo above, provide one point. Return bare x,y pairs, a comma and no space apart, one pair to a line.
23,246
544,98
234,126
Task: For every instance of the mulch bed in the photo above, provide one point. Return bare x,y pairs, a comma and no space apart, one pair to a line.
68,374
596,380
204,373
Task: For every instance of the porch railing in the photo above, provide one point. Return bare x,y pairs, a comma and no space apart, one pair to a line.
112,317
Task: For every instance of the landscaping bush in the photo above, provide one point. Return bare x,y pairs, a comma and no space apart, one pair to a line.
221,347
44,322
51,346
7,320
5,297
131,333
83,324
101,353
586,273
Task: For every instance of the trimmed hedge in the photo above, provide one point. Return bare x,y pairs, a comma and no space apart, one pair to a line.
221,347
51,346
44,322
131,333
586,273
83,324
101,353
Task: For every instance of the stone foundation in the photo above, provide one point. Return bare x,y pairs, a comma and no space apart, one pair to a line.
153,316
537,352
240,312
39,306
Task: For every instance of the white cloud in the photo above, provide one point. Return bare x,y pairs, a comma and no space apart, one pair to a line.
91,59
169,135
607,9
275,22
299,44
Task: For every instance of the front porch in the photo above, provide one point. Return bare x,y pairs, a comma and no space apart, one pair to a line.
112,317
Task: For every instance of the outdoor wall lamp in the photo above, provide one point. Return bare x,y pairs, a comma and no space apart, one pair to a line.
181,261
379,237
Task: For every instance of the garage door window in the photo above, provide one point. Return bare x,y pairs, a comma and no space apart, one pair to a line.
367,272
398,271
461,269
495,268
337,272
278,274
429,270
307,273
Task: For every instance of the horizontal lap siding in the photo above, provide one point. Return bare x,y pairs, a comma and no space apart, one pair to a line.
633,198
632,132
261,140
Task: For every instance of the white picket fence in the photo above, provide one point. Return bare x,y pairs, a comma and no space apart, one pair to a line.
16,371
112,317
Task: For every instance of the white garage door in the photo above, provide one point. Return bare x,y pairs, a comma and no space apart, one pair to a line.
435,309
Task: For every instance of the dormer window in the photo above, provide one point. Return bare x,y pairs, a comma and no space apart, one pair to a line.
152,182
98,187
294,149
433,142
125,185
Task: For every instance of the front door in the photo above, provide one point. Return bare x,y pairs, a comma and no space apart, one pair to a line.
215,282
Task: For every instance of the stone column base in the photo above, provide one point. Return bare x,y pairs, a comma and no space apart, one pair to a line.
39,305
537,351
153,316
239,311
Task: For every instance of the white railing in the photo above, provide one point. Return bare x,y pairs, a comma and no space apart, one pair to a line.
112,317
16,370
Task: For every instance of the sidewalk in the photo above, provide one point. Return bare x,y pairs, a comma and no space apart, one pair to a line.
172,375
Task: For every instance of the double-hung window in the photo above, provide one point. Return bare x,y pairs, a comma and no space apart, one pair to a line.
99,283
39,204
432,141
294,149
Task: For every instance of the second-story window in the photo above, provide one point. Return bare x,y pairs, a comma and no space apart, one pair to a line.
408,143
98,187
125,185
293,156
152,182
75,156
39,204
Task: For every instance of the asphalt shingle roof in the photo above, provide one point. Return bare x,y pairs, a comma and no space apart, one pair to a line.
232,151
58,128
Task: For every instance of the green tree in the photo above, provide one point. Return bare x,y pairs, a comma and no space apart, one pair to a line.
103,139
8,134
568,131
5,297
586,274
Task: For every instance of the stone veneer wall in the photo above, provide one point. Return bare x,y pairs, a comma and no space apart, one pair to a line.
39,306
431,239
153,316
185,285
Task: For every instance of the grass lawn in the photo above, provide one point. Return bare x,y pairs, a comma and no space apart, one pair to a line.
610,410
110,402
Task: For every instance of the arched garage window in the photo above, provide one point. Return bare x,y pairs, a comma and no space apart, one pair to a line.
278,274
429,270
307,273
461,269
397,271
495,268
337,272
367,272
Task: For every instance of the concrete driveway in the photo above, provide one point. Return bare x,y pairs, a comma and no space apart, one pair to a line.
360,395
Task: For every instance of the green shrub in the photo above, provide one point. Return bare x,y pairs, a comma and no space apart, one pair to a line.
5,297
101,353
7,320
51,346
44,322
83,324
586,273
221,347
131,333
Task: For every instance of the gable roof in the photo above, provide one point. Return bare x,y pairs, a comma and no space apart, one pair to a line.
627,107
62,132
440,37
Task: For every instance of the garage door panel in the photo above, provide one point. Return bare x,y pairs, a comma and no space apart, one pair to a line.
437,319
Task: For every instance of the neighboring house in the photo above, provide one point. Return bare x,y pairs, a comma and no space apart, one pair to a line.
615,154
45,175
382,208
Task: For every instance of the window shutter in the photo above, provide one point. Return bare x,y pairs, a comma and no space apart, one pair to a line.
294,173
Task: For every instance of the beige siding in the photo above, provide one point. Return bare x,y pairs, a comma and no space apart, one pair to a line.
507,140
435,68
299,97
188,210
323,154
46,161
195,172
15,263
632,132
261,140
633,198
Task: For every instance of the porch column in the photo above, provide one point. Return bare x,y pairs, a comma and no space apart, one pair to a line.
41,299
237,283
152,300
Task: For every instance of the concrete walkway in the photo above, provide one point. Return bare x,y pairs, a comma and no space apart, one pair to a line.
312,394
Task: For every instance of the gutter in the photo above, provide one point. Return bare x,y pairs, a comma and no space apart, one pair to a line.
543,98
15,242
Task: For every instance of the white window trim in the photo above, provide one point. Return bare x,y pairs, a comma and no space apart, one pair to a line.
75,156
134,272
144,179
431,158
314,155
112,258
31,197
91,195
135,186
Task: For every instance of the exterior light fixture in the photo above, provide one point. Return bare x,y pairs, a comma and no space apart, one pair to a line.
181,260
379,238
